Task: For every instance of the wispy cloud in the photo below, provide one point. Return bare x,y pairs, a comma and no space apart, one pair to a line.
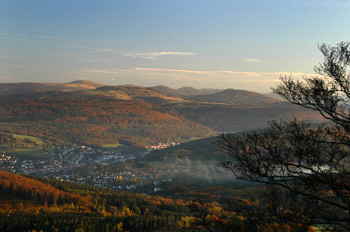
155,55
172,70
200,72
228,72
252,60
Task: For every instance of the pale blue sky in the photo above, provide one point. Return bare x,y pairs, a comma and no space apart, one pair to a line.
203,43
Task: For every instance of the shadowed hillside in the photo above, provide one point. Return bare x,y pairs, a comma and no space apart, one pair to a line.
235,97
231,118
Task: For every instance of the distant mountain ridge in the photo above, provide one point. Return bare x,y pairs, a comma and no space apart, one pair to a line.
38,87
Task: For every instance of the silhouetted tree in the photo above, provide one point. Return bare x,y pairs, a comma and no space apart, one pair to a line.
309,165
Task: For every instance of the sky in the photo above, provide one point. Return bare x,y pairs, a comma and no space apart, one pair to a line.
246,44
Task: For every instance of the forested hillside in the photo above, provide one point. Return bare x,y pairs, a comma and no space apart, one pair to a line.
32,205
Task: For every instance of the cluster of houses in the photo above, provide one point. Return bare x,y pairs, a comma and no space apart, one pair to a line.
161,146
6,157
7,162
122,180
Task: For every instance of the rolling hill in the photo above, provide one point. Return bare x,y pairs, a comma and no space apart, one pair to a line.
83,112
